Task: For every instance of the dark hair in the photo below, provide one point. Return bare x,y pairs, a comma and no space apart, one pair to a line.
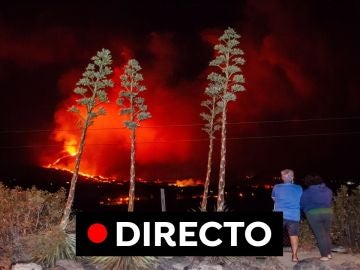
312,179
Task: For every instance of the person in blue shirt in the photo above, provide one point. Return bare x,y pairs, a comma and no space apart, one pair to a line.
316,202
286,198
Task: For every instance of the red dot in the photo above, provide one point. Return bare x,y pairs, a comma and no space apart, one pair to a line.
97,233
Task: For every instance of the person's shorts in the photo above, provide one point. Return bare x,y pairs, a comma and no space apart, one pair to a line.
292,227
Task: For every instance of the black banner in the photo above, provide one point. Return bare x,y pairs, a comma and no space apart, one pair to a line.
179,234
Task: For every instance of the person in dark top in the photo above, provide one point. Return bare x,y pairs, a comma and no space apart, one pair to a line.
316,203
286,198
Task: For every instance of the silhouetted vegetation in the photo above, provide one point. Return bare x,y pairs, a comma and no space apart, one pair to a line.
346,226
28,213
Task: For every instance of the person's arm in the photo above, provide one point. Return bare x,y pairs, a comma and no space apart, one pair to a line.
303,199
273,193
273,196
330,195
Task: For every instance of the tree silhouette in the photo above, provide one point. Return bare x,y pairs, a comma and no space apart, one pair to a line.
211,126
91,89
224,84
133,106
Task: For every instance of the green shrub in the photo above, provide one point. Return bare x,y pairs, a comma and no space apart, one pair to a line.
47,247
27,212
306,238
346,225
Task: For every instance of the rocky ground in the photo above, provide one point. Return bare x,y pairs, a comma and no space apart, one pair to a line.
308,260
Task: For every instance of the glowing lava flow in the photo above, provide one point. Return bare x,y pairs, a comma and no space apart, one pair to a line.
53,165
70,152
187,183
86,175
64,163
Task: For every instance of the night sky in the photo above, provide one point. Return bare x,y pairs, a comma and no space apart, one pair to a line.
300,110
